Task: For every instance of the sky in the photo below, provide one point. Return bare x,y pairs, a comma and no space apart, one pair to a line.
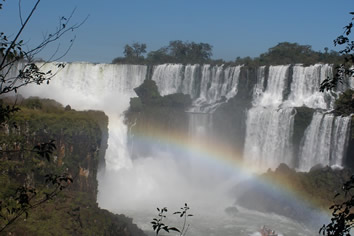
233,27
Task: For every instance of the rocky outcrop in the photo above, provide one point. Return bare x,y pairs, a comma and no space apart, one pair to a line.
229,120
317,187
151,114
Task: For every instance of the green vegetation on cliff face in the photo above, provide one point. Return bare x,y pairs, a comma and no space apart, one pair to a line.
344,105
81,140
315,188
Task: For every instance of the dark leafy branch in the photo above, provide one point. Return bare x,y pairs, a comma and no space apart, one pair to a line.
158,222
43,150
158,225
342,220
18,69
27,198
345,69
17,65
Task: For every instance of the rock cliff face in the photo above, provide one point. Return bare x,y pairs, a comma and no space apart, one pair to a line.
81,141
151,114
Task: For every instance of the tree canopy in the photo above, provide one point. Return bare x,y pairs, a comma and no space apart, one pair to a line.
176,52
200,53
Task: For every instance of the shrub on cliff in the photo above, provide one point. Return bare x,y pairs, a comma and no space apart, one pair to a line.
345,103
148,92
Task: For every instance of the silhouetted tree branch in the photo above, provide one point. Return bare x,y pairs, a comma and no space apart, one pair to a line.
345,69
18,69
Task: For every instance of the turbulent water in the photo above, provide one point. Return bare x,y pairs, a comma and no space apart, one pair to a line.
136,186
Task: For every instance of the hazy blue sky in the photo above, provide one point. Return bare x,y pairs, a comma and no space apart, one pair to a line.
234,28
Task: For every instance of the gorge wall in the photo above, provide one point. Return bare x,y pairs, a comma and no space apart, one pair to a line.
81,142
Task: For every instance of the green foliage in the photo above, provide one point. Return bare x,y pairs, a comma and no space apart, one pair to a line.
148,92
136,50
290,53
344,105
46,105
317,186
12,51
176,52
77,135
345,68
133,54
182,52
200,53
342,220
74,213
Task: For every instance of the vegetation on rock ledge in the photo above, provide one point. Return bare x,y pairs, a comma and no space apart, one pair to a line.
80,143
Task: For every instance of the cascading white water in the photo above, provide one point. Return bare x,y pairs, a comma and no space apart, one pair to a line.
207,85
270,121
273,94
340,134
144,183
269,127
324,141
268,139
259,86
96,86
305,87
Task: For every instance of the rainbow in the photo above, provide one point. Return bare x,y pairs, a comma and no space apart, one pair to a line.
227,159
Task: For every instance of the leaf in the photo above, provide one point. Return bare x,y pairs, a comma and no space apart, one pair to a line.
174,229
166,229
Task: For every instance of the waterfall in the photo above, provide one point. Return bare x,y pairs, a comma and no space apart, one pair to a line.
269,123
199,125
208,86
173,176
268,137
324,141
268,127
305,87
101,87
273,94
259,86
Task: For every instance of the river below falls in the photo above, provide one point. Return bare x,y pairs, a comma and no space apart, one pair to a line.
216,222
